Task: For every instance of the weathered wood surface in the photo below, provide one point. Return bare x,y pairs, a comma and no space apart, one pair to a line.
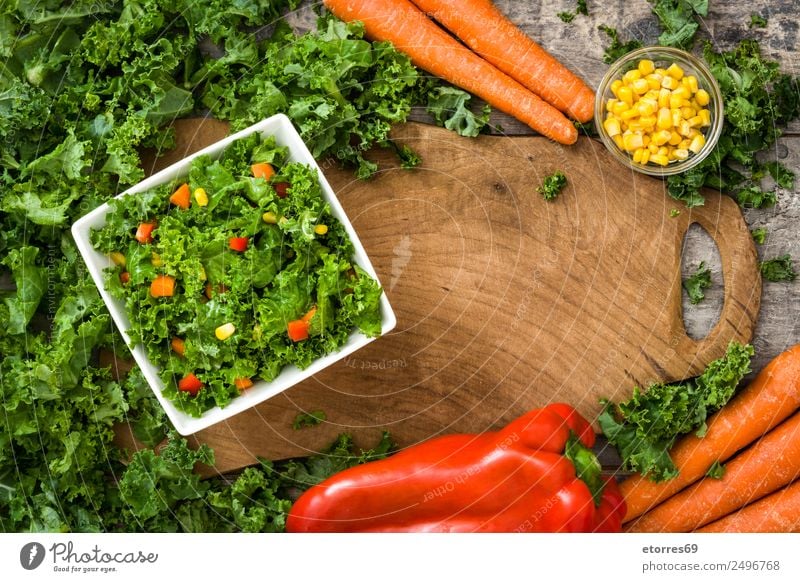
580,44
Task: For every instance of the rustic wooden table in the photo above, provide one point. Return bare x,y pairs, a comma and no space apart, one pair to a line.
579,44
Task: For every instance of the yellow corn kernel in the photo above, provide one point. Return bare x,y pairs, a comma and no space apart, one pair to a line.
664,118
631,76
675,102
663,151
705,115
637,155
652,148
269,218
674,139
640,86
697,144
118,258
680,154
646,66
618,140
203,275
670,83
696,121
321,229
645,140
155,260
693,85
610,104
224,331
619,108
684,128
652,94
661,137
654,82
659,159
625,94
648,122
684,144
632,142
635,126
201,197
687,112
615,86
611,126
663,98
702,97
645,108
629,114
675,71
676,117
682,92
694,133
645,156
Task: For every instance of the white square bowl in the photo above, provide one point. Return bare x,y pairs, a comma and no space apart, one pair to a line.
285,134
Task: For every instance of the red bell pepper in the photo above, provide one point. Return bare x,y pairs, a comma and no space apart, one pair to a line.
281,189
190,383
535,475
238,243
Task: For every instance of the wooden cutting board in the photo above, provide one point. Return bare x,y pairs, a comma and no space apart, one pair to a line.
504,301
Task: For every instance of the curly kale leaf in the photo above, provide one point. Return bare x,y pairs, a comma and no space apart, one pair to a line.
645,427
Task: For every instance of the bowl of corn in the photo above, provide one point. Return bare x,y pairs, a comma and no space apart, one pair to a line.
658,110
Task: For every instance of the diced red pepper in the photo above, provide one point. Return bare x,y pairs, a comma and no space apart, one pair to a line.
281,189
125,277
181,197
298,330
144,234
191,384
238,243
262,170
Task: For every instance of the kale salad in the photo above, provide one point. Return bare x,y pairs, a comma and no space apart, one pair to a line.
235,271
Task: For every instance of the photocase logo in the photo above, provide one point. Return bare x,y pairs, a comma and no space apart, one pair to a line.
31,555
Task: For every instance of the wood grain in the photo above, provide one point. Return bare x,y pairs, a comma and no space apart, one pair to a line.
504,301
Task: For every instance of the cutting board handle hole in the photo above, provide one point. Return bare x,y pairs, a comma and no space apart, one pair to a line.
698,246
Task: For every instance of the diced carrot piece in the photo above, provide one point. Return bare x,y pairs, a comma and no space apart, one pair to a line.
125,277
181,197
178,346
311,313
262,170
144,234
163,286
243,383
238,243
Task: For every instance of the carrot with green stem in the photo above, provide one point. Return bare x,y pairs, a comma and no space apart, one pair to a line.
776,513
486,30
432,49
766,466
769,399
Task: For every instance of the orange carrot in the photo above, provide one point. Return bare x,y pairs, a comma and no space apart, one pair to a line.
262,170
162,286
178,346
776,513
766,466
769,399
432,49
181,197
243,383
480,25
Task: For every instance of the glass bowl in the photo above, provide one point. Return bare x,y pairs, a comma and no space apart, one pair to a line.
662,57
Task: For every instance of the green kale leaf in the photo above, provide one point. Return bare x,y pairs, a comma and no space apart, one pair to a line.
697,283
778,269
645,427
